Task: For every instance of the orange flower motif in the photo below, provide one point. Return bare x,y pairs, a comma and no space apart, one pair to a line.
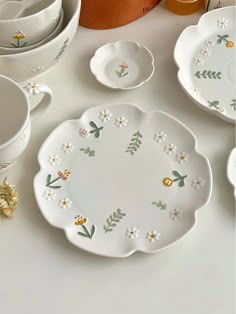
124,65
80,220
64,175
19,35
229,44
168,181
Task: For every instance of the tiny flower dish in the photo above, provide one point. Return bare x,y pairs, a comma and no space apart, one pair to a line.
205,55
121,175
122,65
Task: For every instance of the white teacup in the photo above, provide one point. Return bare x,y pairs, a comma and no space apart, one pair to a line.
16,117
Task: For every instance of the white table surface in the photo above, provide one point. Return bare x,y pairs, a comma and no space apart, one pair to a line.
42,273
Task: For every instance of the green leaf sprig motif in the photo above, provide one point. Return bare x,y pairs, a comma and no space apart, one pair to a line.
225,39
113,220
233,104
95,129
179,178
134,143
208,74
86,233
214,104
88,151
160,205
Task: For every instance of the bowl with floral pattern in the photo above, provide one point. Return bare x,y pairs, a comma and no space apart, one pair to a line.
205,55
30,29
25,65
122,65
120,180
54,33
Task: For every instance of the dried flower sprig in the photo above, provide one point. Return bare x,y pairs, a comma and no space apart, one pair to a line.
8,199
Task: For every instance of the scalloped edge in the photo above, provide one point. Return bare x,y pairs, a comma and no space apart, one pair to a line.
133,250
179,63
115,43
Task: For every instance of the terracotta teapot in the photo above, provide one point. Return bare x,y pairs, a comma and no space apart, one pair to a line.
104,14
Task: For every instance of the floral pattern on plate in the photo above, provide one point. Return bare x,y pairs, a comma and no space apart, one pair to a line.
209,63
148,189
132,233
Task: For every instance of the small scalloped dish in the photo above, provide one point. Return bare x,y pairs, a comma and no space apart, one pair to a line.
122,65
205,55
120,180
231,169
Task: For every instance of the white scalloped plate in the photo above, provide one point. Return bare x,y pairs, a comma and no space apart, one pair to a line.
120,180
231,169
205,55
122,65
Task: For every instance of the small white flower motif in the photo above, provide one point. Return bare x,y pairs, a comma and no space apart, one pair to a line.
209,42
54,160
153,236
105,116
196,90
65,203
205,51
198,61
68,148
170,149
38,69
49,195
176,214
33,89
132,233
222,22
121,122
160,137
182,157
197,183
84,132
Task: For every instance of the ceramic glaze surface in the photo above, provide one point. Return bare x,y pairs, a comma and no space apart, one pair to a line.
14,110
133,178
205,55
122,65
231,169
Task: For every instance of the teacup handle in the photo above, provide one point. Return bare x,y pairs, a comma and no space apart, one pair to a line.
33,89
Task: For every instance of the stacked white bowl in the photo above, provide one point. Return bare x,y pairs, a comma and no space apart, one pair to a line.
31,44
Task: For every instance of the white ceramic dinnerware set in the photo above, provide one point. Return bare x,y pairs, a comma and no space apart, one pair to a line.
88,151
